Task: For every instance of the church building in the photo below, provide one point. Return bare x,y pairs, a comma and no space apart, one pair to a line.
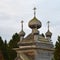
35,46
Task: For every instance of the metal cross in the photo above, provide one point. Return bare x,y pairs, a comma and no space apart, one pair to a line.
22,24
34,11
48,24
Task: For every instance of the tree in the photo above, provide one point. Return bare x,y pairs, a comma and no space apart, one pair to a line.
3,49
7,49
1,43
57,50
13,44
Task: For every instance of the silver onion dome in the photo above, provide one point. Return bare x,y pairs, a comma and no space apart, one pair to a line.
34,23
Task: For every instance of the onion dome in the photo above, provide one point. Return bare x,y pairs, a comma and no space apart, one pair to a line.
34,23
48,33
22,33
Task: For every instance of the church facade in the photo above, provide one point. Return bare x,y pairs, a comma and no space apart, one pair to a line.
35,46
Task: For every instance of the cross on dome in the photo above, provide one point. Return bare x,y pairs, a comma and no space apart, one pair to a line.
34,11
48,24
22,24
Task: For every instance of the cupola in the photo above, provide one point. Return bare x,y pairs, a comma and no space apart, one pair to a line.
34,23
48,33
22,33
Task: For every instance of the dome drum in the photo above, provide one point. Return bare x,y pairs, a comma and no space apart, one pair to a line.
35,31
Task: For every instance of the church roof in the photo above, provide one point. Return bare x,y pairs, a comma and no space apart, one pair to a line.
30,38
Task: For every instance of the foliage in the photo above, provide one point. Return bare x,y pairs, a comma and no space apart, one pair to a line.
7,49
3,48
13,44
57,50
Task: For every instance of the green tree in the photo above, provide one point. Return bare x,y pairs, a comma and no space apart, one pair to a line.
3,48
5,51
13,44
57,50
1,43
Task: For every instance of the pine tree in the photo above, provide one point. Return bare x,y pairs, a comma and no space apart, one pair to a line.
5,51
13,44
57,50
3,48
1,43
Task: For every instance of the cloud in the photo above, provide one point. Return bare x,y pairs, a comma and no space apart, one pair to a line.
4,16
13,11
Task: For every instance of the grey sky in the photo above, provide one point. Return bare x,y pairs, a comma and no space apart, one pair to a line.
13,11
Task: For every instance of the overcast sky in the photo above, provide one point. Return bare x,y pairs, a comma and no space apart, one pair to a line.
13,11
